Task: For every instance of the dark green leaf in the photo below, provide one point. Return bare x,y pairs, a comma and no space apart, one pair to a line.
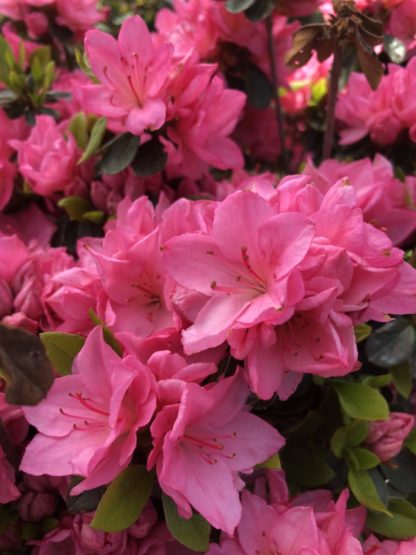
400,526
120,154
258,88
150,158
391,344
314,474
78,126
96,137
365,491
85,502
62,348
349,436
401,471
193,533
237,6
124,500
410,442
260,10
361,401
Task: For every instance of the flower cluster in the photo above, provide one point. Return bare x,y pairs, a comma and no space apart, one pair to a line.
207,331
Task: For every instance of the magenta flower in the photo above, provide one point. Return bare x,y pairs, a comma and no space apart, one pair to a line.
202,443
386,437
133,75
88,422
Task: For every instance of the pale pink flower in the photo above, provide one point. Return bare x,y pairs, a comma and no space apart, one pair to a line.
386,437
47,159
133,76
203,442
88,422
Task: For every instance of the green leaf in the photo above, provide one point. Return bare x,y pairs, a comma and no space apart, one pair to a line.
318,91
349,436
273,463
260,9
400,526
96,137
86,502
124,500
150,158
401,471
75,207
402,379
378,381
193,533
391,344
94,216
120,154
362,459
410,442
61,349
78,126
361,401
237,6
258,88
365,491
362,331
107,333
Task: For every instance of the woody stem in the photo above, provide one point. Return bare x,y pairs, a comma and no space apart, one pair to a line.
332,100
280,122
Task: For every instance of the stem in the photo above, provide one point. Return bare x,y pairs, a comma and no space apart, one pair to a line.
332,100
280,122
8,447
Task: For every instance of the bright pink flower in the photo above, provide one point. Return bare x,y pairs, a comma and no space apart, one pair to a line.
47,159
263,529
79,15
246,268
133,75
402,22
386,437
88,422
373,546
364,111
10,129
130,268
202,115
203,442
189,27
386,202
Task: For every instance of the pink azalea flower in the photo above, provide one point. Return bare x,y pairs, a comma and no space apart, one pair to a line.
202,115
246,268
386,202
79,15
133,76
47,159
203,442
373,546
88,422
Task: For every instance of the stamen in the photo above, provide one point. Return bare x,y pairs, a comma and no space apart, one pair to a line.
246,262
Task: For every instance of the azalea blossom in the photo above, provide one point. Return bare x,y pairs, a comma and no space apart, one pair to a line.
88,422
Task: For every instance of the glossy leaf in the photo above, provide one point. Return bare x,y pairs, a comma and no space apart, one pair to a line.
193,533
365,491
361,401
237,6
400,525
120,154
258,88
124,500
95,140
151,158
391,344
402,379
75,207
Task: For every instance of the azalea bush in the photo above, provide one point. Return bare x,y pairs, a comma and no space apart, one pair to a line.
207,277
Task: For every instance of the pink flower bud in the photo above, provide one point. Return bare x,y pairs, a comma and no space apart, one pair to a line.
386,437
34,506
